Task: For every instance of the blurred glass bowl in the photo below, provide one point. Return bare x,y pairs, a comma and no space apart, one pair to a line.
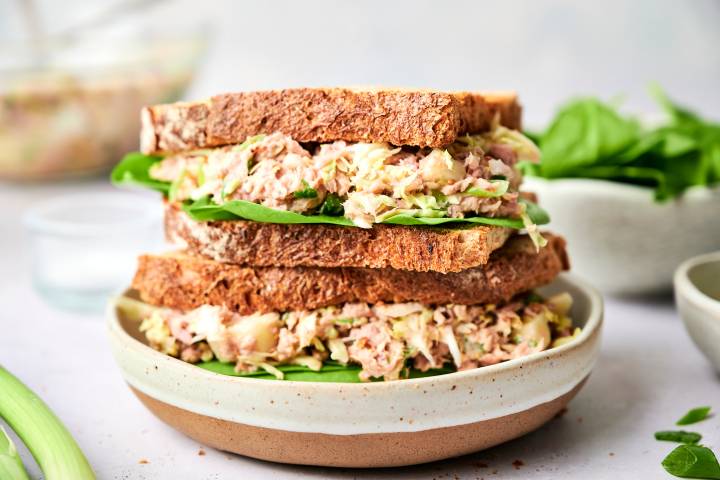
71,108
84,246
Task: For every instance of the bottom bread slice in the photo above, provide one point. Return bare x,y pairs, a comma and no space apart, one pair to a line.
181,281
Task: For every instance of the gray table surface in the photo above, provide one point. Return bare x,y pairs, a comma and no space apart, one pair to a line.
649,373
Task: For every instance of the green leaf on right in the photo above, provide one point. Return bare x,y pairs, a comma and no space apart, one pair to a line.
693,416
582,132
591,139
692,461
679,436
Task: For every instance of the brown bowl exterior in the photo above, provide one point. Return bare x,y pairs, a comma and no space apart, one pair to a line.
355,451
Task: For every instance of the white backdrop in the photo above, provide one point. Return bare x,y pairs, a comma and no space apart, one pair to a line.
548,50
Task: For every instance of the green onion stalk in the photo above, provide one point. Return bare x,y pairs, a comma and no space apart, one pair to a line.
50,443
11,466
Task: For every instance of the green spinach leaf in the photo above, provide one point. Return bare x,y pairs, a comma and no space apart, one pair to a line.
306,192
583,132
332,206
692,461
134,169
680,436
330,372
205,210
694,416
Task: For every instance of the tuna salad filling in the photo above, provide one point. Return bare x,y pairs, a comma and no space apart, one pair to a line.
385,340
366,182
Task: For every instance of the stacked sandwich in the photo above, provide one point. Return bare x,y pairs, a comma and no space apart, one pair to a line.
345,234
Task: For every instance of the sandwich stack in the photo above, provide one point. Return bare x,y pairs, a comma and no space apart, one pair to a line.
350,235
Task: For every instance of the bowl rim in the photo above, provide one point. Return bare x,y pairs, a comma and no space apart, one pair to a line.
686,288
589,330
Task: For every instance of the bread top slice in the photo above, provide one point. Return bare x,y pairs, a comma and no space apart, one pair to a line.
401,117
320,245
181,281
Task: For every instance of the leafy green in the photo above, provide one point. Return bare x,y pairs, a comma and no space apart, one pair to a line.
134,169
583,131
692,461
175,186
680,436
332,206
536,213
306,192
501,187
330,372
693,416
590,139
205,210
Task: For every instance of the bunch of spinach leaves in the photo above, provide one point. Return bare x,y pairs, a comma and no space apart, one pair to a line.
590,139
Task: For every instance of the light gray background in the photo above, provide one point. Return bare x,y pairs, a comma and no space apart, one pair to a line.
548,50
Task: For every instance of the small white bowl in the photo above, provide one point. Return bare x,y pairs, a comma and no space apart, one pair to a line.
363,425
697,295
621,239
83,246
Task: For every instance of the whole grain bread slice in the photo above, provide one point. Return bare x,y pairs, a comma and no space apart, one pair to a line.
182,281
400,117
321,245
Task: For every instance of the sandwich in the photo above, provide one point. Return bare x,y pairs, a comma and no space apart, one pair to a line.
352,234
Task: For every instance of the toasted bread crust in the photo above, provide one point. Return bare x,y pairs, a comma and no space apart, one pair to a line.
321,245
400,117
184,282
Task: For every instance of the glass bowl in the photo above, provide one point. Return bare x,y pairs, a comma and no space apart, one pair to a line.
84,246
70,104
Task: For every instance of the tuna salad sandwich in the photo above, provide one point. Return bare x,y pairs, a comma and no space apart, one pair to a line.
334,234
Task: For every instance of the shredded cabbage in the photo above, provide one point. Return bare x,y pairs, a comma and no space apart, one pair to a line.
338,351
498,189
449,338
413,330
532,229
272,370
307,361
525,149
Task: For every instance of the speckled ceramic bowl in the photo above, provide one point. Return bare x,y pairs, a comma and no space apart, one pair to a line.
697,295
363,425
620,238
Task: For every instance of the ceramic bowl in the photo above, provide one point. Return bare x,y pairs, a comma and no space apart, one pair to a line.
623,241
697,295
363,425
